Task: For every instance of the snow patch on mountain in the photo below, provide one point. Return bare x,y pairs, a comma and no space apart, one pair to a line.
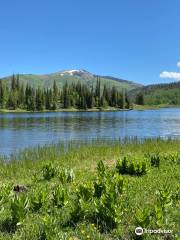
76,73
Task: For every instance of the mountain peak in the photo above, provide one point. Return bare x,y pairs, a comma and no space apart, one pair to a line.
72,75
76,73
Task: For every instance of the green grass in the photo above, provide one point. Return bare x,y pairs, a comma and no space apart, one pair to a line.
149,107
145,107
59,206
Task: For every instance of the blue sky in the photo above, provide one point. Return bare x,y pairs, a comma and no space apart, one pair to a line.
135,40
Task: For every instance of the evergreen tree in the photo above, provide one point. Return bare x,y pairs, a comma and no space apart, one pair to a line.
140,99
13,82
1,95
75,95
21,97
49,99
114,97
17,83
66,102
98,92
55,96
39,99
123,99
12,100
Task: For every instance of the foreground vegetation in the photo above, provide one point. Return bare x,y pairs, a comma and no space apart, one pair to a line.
98,190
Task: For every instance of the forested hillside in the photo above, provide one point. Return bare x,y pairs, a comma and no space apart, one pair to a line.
71,76
157,94
72,95
80,89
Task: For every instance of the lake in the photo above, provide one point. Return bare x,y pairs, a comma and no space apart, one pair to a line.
22,130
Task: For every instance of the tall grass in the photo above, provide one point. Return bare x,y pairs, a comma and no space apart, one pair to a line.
89,191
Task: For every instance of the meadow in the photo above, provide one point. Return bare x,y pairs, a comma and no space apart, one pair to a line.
98,190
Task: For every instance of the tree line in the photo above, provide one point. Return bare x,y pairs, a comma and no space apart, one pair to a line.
156,94
74,95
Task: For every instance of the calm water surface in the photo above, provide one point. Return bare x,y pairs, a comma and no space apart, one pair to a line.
21,130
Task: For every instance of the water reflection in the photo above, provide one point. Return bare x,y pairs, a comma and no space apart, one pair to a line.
21,130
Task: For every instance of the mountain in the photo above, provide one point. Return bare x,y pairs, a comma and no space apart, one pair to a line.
72,76
168,93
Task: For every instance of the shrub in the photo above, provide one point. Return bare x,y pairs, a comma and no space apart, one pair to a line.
164,197
142,217
66,176
172,157
154,159
159,215
48,171
5,190
126,166
60,197
76,212
104,213
19,206
101,168
122,166
38,199
85,191
105,204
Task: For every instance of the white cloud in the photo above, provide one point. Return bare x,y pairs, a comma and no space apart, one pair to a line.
178,64
171,75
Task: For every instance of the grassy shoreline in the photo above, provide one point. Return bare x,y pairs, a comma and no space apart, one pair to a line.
152,107
41,170
109,109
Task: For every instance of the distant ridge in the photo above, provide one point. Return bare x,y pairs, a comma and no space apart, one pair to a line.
119,79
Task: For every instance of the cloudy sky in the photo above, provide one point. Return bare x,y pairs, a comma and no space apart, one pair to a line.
136,40
172,76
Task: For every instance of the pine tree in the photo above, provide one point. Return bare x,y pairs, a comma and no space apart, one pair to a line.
127,101
114,97
75,95
21,97
140,99
17,83
48,99
13,83
39,99
12,100
103,102
98,92
55,96
1,95
66,102
123,99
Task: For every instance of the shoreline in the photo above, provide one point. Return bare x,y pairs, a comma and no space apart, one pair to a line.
153,107
110,109
66,110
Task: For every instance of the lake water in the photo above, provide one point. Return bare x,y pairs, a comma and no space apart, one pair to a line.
22,130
